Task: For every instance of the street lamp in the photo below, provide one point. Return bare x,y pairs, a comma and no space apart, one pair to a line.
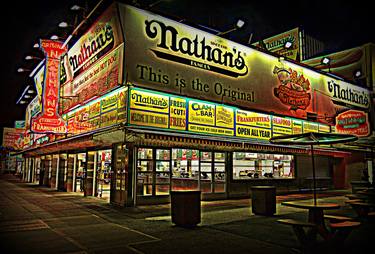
76,8
240,23
327,61
357,73
54,37
288,44
23,70
63,24
32,58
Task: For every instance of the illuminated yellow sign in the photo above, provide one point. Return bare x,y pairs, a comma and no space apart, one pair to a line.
201,112
145,118
253,119
109,102
177,113
185,114
297,127
94,109
109,118
252,132
149,101
281,131
310,127
224,116
324,128
211,130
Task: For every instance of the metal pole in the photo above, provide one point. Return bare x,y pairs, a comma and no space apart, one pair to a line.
313,166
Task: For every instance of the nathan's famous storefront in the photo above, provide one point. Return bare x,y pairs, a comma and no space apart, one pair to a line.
181,109
203,109
71,128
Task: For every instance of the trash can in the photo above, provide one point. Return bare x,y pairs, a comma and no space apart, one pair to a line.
263,200
186,208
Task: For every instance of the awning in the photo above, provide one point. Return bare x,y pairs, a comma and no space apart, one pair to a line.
147,137
91,140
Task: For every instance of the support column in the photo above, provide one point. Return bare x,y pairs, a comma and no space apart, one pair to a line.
57,172
53,171
31,169
69,178
47,171
24,168
75,173
89,173
61,172
95,189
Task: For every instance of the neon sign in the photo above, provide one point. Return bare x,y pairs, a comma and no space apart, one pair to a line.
49,121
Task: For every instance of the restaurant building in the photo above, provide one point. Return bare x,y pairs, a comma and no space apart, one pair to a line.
145,105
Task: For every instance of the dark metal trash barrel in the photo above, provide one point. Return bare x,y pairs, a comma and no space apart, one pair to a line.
263,200
186,208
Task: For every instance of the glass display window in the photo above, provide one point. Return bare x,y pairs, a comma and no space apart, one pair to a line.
262,166
145,153
153,171
162,154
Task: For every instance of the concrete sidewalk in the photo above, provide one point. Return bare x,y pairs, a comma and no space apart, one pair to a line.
39,220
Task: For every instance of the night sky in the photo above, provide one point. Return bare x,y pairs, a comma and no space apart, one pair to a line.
339,24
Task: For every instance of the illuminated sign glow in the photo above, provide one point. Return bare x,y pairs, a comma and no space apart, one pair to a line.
159,110
49,121
353,122
171,57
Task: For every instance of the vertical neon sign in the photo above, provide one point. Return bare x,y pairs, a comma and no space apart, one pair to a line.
49,121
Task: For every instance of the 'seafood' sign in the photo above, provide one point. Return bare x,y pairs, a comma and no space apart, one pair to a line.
49,121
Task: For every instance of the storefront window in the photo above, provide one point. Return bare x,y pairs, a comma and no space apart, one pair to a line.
219,171
145,171
185,169
163,170
153,171
103,173
80,172
262,166
206,183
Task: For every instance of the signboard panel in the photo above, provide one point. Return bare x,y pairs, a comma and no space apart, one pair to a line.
13,138
353,122
102,112
96,81
171,57
177,113
276,44
103,36
49,121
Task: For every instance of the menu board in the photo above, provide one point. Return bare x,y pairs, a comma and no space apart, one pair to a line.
165,111
102,112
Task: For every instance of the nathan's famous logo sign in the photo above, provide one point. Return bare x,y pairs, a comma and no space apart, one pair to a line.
196,52
293,89
49,121
98,45
353,122
144,100
277,44
101,38
349,94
